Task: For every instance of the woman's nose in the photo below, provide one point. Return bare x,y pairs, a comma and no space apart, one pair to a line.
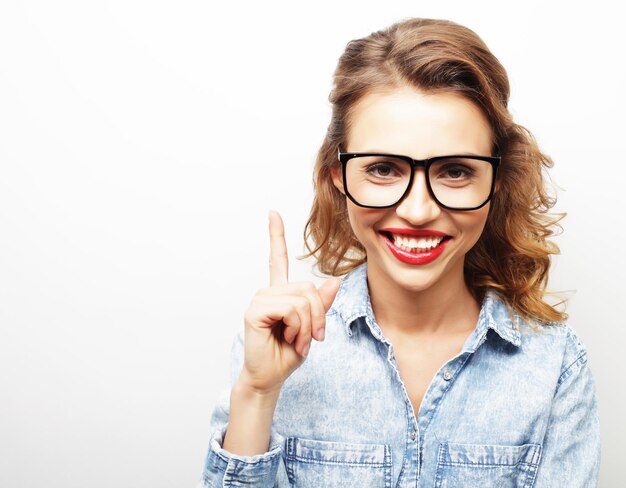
418,206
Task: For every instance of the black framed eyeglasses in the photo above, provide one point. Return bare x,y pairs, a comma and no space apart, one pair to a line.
455,182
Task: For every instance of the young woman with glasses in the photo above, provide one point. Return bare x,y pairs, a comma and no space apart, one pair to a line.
434,360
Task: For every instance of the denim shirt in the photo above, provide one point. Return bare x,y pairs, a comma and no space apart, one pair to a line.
515,408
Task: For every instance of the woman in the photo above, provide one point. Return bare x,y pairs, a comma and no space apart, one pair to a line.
435,360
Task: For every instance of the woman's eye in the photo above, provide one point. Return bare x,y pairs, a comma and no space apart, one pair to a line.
456,172
382,170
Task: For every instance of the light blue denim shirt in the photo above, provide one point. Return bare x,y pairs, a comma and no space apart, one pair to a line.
515,408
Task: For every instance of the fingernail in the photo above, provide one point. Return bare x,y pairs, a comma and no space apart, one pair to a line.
321,333
305,351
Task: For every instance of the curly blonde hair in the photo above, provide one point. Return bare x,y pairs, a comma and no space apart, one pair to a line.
512,255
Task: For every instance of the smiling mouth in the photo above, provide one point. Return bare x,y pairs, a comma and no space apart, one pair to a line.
415,244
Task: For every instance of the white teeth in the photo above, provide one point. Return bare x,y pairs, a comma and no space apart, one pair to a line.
412,243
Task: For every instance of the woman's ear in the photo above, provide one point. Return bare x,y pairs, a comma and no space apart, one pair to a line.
497,186
335,173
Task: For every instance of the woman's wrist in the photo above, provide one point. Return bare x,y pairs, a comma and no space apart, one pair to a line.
242,393
245,387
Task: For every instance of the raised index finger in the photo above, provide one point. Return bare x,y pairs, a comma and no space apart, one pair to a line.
279,263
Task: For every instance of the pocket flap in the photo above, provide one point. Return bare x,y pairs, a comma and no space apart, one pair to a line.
489,455
337,452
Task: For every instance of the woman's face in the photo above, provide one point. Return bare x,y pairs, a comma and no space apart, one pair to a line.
421,125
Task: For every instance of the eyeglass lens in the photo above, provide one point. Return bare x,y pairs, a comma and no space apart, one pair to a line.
380,181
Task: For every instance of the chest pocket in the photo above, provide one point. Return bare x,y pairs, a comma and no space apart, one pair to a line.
462,465
315,464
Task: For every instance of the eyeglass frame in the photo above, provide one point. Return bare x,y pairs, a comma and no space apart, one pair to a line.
344,157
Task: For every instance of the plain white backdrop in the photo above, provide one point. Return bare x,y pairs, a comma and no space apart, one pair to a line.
142,144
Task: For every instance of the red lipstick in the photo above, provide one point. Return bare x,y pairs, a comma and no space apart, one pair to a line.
411,257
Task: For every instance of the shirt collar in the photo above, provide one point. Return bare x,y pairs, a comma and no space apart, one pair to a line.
353,303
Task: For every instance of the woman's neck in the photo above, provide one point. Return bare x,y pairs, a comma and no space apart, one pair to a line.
447,307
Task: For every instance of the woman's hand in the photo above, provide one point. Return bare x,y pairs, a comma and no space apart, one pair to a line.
281,320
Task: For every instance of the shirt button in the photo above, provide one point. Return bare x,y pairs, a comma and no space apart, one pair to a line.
447,375
413,435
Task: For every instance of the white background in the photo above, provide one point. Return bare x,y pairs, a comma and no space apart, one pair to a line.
142,144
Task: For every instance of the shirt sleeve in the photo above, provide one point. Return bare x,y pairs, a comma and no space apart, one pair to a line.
571,448
224,469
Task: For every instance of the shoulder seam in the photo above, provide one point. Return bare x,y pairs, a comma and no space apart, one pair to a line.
580,361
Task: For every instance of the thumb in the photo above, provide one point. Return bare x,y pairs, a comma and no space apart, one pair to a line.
328,291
